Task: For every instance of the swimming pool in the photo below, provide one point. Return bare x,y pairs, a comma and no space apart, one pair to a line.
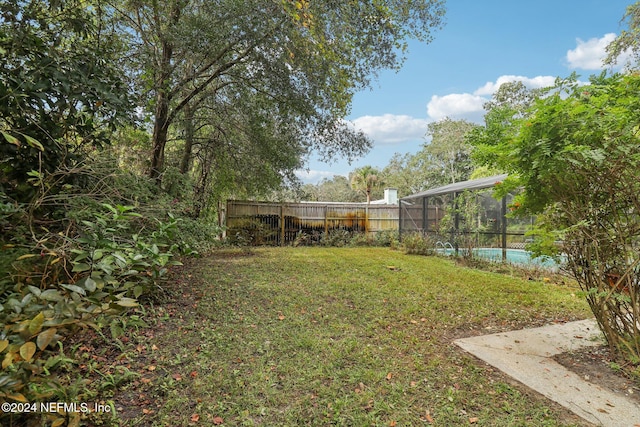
514,256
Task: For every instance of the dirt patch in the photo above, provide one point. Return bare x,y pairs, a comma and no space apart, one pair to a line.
596,365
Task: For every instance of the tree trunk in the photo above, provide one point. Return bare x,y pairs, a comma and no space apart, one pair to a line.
200,189
188,139
162,117
160,130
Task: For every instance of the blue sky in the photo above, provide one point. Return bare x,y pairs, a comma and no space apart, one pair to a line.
483,44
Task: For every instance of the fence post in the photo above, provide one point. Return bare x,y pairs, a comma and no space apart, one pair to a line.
400,220
282,228
425,216
326,220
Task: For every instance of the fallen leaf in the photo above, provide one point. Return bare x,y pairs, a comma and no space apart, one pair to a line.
193,374
281,316
145,380
217,420
195,418
154,347
177,377
474,420
392,424
147,411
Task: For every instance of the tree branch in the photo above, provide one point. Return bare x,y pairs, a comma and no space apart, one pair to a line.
217,73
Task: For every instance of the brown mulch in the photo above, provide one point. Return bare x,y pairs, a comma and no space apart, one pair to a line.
596,365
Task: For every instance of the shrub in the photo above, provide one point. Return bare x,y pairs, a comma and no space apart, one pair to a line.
197,235
416,243
362,239
91,274
576,153
386,238
337,238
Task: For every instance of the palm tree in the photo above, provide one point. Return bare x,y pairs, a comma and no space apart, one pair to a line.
366,179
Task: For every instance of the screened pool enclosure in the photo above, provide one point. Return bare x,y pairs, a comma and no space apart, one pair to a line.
465,216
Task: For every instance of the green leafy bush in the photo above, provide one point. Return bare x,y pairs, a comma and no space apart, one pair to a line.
416,243
576,155
197,235
336,238
387,238
90,275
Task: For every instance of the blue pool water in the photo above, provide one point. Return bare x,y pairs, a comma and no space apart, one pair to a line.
514,256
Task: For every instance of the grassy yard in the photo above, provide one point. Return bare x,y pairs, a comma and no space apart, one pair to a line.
335,336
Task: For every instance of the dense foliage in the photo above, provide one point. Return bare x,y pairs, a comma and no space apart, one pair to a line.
61,92
577,157
249,89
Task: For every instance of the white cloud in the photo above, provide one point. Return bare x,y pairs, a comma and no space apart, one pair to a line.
391,128
456,106
537,82
313,176
588,55
469,106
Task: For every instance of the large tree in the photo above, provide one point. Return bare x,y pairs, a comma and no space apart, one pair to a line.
306,59
444,159
509,105
242,152
336,189
60,88
403,174
448,152
629,39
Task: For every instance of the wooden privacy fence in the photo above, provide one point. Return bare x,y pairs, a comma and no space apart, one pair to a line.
281,223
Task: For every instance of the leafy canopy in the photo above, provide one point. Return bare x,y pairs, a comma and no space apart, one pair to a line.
303,60
60,87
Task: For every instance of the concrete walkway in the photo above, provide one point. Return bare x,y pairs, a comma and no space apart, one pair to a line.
526,356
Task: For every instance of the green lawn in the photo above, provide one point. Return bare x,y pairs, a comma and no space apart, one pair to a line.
336,336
